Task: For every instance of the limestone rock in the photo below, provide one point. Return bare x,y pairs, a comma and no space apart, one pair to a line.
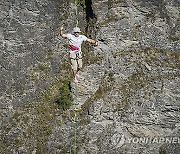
128,89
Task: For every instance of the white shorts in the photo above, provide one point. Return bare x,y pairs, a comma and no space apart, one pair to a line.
76,60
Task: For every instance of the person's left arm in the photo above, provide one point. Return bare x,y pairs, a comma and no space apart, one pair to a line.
92,41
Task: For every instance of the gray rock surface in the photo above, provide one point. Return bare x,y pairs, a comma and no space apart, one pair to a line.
129,88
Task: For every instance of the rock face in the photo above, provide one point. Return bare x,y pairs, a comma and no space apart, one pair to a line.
129,88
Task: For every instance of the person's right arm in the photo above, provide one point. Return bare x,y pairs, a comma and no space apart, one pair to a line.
62,32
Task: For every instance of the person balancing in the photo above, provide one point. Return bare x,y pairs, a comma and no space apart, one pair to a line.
75,40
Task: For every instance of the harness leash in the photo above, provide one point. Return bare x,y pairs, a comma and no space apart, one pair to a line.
76,11
73,145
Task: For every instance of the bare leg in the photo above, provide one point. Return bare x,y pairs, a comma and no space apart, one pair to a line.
75,77
74,73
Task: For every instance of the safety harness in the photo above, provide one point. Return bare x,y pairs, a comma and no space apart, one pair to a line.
73,144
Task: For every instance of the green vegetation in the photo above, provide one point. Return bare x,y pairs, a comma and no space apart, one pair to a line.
44,67
173,38
110,3
141,78
41,127
105,86
162,151
65,98
80,2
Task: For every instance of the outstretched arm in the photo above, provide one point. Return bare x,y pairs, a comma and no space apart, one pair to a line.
62,32
93,41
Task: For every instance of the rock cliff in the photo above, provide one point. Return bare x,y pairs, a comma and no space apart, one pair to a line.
129,87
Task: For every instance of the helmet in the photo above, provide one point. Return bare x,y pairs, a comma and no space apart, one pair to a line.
76,29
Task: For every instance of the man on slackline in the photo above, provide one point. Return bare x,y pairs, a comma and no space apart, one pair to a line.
75,40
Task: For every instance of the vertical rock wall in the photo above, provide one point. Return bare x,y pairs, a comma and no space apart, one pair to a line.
31,50
130,88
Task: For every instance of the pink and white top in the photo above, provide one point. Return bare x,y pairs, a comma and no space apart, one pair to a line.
75,42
